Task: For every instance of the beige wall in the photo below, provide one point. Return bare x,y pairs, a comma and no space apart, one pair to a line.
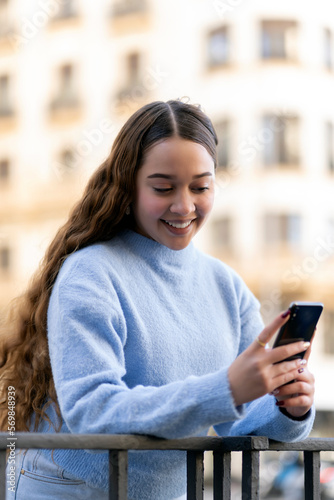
171,38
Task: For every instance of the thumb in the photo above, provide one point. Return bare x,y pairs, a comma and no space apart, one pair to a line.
269,331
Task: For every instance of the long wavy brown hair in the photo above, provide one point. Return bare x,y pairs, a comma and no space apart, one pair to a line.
98,216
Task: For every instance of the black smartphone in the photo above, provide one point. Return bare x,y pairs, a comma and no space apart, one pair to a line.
301,324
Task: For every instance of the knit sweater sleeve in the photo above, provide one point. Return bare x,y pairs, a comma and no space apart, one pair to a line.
87,339
262,417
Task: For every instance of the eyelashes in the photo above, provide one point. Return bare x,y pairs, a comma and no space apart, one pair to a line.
168,190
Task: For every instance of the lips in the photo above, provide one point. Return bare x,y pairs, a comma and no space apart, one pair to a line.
178,225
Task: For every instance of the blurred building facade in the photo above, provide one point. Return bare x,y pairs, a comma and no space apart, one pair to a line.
72,71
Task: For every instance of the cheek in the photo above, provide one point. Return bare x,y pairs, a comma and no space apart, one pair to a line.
150,206
206,204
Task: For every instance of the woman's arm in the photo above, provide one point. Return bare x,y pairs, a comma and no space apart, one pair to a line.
255,378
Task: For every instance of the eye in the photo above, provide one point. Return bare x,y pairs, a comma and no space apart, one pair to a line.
201,189
162,190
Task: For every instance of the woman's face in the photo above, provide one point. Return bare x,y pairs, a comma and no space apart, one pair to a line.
174,192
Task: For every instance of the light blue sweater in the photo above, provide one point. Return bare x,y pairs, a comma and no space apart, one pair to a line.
140,339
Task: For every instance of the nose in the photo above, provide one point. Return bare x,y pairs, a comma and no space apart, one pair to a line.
183,204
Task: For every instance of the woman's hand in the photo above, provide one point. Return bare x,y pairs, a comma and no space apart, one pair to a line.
255,373
297,397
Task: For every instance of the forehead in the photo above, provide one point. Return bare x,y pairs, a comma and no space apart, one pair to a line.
177,154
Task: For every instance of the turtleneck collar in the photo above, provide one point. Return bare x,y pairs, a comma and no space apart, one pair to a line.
155,252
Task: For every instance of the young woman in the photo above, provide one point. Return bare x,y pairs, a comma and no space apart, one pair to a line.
128,328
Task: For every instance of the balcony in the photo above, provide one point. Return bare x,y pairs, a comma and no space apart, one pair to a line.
8,119
125,7
65,109
118,445
8,40
128,16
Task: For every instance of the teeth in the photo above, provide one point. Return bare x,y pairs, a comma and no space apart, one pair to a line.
179,226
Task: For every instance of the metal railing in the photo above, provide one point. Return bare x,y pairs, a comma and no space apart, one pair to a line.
119,445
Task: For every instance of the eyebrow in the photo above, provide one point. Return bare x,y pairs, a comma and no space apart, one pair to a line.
165,176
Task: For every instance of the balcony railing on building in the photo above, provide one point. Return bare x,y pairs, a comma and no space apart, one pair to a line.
118,446
124,7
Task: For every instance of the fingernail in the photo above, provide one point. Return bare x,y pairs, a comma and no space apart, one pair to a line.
279,403
285,314
274,392
306,345
302,362
300,370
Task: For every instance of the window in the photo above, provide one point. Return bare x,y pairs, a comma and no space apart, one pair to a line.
67,9
133,68
66,79
65,163
6,108
279,40
223,149
5,27
282,229
218,47
5,259
222,233
133,88
124,7
68,162
67,95
68,158
329,146
329,331
328,49
4,171
281,140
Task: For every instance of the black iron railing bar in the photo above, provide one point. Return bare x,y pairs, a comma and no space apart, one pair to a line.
118,446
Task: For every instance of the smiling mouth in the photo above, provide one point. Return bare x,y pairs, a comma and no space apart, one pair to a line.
178,225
